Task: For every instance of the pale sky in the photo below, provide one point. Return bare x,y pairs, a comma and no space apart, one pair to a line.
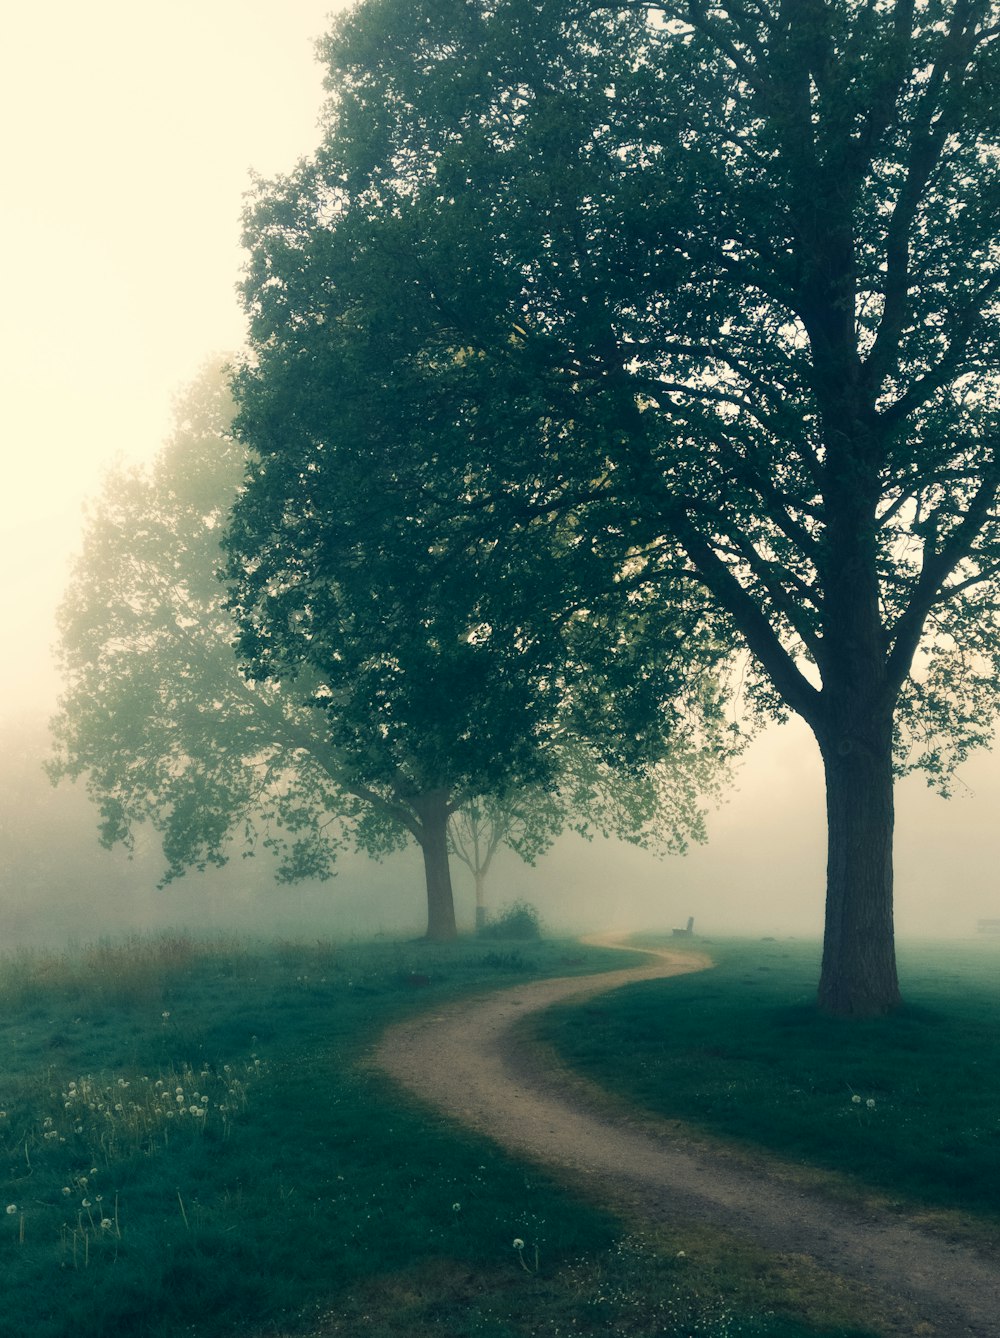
130,133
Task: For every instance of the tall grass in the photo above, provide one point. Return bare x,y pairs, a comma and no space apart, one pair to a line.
192,1143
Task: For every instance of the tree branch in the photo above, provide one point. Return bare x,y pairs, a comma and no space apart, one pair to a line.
755,628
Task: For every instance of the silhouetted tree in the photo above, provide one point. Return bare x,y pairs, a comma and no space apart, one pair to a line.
725,279
446,664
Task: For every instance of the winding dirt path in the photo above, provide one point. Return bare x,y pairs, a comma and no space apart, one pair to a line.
465,1061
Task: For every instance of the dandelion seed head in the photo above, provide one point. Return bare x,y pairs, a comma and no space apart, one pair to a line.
106,1224
870,1103
518,1243
856,1099
11,1209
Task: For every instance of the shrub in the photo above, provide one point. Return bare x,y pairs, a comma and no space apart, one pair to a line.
519,920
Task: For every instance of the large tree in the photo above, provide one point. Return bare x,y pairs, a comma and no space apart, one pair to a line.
731,271
450,667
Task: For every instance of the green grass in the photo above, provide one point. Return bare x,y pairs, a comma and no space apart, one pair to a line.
908,1106
309,1196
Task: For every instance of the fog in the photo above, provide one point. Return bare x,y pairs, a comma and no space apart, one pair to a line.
136,130
761,871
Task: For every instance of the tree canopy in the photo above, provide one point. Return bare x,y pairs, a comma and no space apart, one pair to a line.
453,659
155,714
722,279
407,724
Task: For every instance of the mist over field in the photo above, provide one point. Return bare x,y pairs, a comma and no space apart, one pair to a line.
761,871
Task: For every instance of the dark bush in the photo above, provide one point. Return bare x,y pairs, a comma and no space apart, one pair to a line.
519,920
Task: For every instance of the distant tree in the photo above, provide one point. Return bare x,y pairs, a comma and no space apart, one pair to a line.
166,730
155,714
656,807
481,826
726,278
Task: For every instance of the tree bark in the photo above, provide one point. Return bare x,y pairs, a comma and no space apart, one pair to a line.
858,977
432,810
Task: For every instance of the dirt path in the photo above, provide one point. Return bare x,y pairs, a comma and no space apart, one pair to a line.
465,1061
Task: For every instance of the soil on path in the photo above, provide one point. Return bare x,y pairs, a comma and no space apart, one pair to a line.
466,1061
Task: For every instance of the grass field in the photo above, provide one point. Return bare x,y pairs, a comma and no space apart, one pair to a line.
907,1106
190,1145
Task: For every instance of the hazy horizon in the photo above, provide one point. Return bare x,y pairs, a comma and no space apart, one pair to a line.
137,131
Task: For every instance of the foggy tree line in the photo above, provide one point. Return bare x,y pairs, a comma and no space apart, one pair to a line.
595,345
301,767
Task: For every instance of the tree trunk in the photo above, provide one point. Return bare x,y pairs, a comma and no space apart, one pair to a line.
480,878
432,810
858,978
